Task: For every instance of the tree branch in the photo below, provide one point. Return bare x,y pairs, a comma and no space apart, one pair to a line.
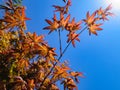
61,56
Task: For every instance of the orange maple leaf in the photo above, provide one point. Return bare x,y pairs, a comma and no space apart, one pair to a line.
31,83
90,18
73,26
47,51
72,36
53,25
23,63
104,13
93,27
58,8
63,21
15,19
70,84
36,38
63,9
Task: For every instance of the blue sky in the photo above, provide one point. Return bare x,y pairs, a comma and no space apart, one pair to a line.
98,57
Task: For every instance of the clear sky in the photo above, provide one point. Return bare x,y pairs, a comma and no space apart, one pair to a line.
98,57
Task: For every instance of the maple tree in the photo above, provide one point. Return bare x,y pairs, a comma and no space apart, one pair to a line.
27,62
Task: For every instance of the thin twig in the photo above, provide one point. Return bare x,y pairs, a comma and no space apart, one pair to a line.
70,43
60,42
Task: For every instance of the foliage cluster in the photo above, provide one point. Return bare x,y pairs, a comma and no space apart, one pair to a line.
27,62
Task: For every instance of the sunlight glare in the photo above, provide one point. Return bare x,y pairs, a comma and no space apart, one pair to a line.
115,4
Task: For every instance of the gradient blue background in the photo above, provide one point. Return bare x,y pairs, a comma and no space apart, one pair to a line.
98,57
